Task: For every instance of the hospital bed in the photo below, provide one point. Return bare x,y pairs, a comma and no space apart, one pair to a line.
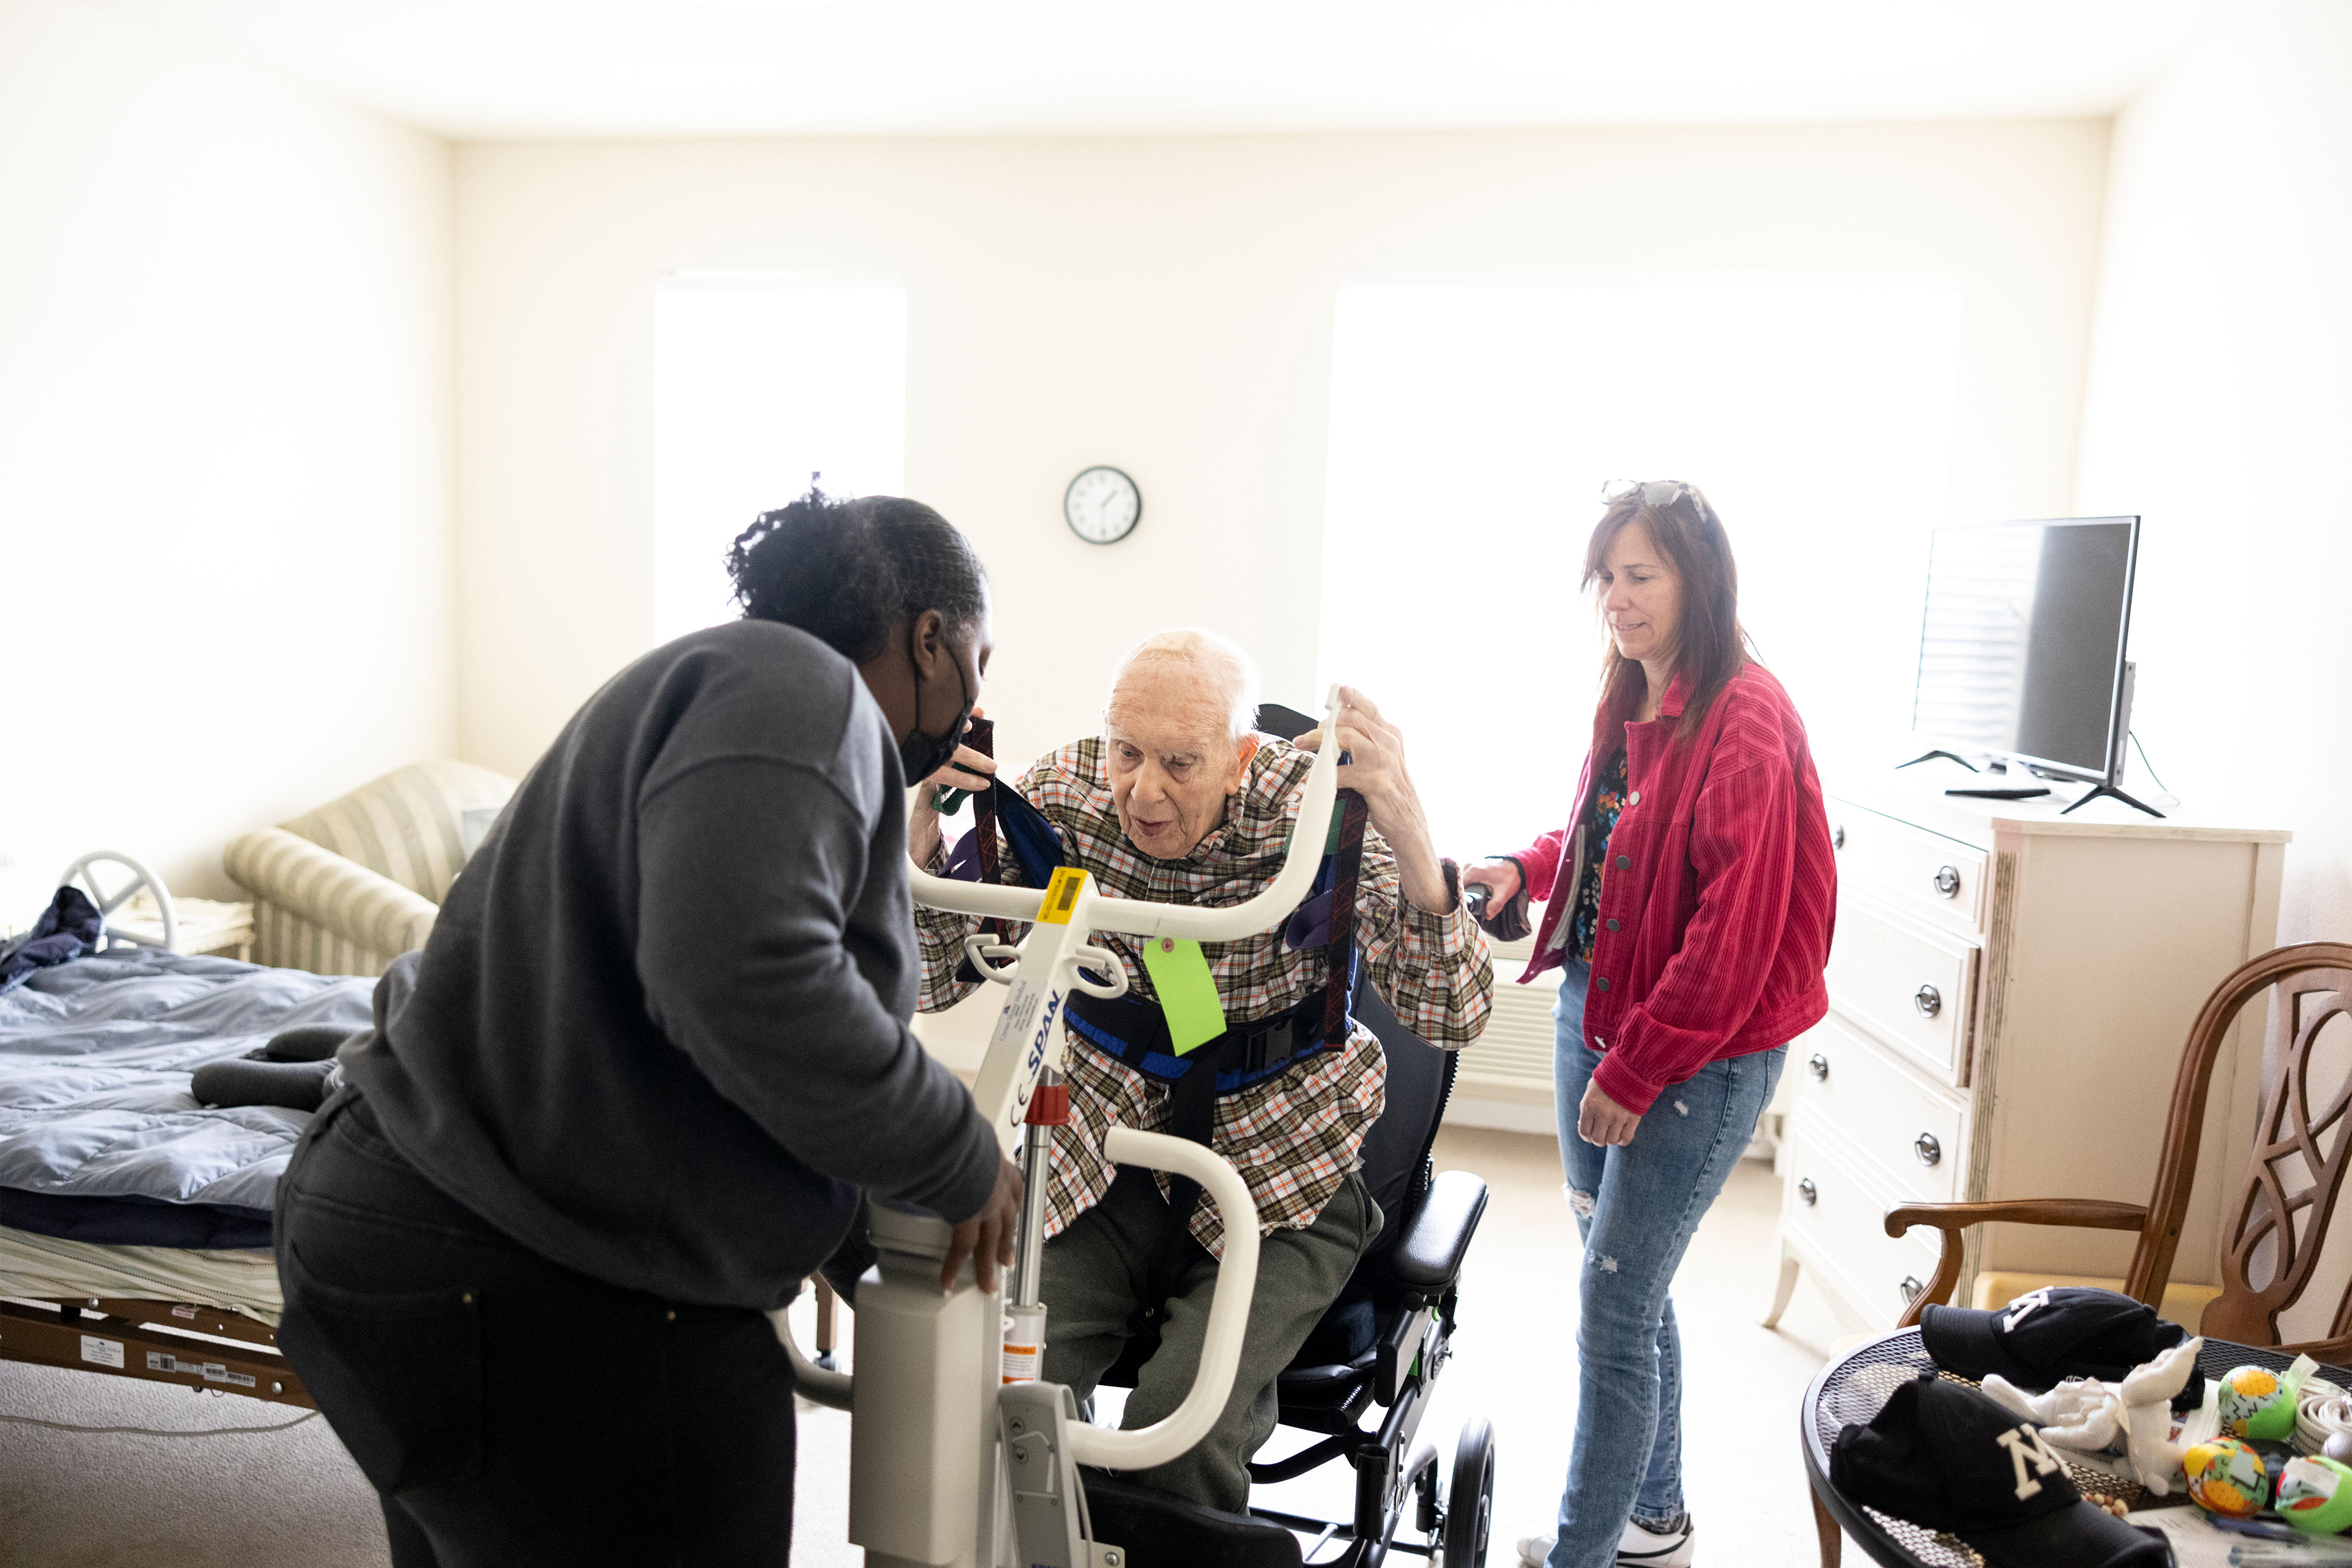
134,1223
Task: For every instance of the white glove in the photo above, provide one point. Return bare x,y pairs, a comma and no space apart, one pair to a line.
2079,1414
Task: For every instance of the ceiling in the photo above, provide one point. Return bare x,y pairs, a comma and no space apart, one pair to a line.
499,69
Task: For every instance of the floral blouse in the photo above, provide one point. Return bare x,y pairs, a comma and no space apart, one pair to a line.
1600,822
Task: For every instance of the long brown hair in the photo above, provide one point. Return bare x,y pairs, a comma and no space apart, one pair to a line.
1710,645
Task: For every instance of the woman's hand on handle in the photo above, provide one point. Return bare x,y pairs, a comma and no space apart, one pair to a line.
989,1236
1601,1120
1499,878
968,770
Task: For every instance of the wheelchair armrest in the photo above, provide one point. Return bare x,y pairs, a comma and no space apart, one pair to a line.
1429,1255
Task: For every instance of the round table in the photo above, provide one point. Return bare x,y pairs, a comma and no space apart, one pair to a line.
1851,1388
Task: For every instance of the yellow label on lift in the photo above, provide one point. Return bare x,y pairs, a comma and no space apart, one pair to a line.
1062,896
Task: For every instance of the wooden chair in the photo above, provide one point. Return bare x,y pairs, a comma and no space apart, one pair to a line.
2280,1218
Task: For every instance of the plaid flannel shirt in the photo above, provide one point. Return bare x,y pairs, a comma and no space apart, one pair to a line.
1295,1136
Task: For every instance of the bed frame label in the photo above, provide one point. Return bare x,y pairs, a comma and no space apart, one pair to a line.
105,1352
210,1370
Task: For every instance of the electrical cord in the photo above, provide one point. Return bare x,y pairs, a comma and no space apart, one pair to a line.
155,1431
2167,798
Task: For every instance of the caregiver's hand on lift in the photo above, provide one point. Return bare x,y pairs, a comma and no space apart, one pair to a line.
989,1236
1499,878
1602,1121
1375,769
969,770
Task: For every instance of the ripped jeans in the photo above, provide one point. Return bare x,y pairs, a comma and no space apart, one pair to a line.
1637,1207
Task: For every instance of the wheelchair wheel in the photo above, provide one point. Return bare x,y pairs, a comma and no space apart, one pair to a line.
1470,1501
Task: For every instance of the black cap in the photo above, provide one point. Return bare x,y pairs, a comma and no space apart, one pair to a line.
1943,1455
2047,1336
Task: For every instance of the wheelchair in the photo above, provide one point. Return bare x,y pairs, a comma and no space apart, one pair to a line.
1377,1354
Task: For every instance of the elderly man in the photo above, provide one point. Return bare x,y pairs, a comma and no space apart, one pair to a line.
1178,801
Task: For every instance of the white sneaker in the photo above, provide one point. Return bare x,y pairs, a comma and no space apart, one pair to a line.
1640,1548
1637,1548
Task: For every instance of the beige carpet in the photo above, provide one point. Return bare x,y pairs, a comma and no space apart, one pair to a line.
292,1500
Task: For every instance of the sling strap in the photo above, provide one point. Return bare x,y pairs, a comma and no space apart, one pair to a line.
1134,1033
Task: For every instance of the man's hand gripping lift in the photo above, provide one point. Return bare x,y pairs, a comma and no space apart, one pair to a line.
929,1410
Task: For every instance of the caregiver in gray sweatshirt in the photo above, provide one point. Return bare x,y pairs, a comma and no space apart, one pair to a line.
627,1098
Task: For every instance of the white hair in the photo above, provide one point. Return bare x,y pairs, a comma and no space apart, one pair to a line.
1222,663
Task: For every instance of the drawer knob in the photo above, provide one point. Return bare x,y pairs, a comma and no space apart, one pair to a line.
1910,1288
1806,1191
1818,1066
1837,837
1929,1150
1948,881
1928,1000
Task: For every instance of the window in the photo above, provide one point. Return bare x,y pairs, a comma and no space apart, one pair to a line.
760,380
1472,425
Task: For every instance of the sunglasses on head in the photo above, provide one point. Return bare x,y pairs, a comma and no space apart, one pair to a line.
1655,494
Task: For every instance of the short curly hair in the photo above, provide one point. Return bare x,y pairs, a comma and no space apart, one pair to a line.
846,571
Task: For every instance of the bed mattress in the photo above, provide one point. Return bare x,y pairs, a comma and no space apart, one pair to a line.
100,1141
43,1269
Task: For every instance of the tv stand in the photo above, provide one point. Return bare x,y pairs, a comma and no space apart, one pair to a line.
1931,756
2112,793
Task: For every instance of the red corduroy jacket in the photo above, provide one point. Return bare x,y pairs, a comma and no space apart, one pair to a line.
1720,891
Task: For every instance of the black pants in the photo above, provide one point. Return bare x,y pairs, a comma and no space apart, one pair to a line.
509,1411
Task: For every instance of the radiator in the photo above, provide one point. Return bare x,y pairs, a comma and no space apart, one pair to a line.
1512,1060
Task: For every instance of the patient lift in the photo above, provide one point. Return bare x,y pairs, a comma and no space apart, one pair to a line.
952,1466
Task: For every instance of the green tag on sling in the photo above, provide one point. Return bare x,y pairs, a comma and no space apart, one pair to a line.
1187,992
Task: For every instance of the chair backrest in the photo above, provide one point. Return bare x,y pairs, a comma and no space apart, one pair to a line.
2277,1221
409,825
1397,1147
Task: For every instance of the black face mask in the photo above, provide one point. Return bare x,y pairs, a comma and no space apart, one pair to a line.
922,754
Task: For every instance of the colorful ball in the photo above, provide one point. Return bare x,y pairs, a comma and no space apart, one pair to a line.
2255,1404
2226,1477
2315,1495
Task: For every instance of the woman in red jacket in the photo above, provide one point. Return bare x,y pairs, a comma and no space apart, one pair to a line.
1689,905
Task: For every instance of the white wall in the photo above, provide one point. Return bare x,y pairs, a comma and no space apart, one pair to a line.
1164,305
226,576
2219,406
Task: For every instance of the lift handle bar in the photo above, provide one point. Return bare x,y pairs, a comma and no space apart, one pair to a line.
1220,1344
1137,917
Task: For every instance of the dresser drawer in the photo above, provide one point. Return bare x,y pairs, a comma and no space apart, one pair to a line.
1837,1213
1909,1131
1921,873
1908,982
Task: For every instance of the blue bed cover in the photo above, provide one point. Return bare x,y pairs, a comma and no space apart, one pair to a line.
100,1138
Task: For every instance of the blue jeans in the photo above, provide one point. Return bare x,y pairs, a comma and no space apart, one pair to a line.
1637,1206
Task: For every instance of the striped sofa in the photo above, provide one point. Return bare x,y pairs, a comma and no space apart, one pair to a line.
348,888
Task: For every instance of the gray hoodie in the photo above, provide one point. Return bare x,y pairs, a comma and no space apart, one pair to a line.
659,1032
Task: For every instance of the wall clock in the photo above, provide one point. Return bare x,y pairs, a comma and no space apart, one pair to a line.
1102,505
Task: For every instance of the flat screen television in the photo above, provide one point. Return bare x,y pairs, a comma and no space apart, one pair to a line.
2021,653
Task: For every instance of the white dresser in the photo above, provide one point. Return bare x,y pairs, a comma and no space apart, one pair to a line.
2010,990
